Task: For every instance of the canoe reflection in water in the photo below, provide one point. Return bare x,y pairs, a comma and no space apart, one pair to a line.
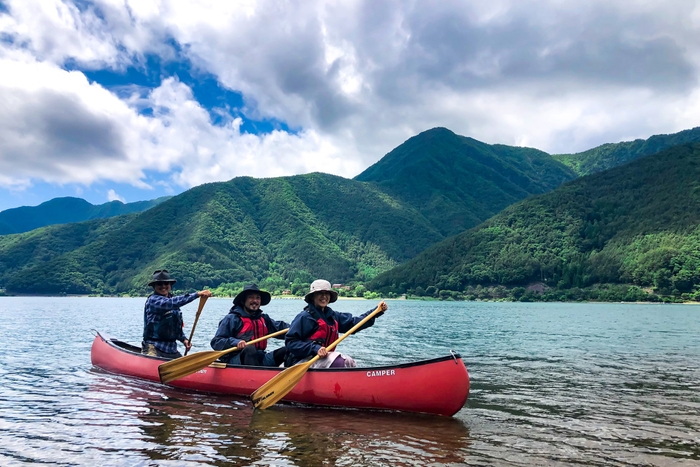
217,430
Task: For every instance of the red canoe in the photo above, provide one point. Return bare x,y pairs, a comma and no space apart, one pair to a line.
439,386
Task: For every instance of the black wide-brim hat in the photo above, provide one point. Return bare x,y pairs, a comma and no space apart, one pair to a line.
161,275
265,297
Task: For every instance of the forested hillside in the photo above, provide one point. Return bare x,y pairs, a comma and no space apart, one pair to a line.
459,182
64,211
635,226
282,230
638,224
611,155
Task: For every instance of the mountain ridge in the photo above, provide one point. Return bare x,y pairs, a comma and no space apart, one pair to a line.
458,182
611,155
65,210
614,226
242,230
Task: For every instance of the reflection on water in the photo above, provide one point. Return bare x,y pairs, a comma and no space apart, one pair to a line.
216,430
551,384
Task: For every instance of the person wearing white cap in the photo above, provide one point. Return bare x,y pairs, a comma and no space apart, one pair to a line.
318,326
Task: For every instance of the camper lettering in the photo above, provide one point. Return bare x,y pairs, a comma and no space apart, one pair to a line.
381,373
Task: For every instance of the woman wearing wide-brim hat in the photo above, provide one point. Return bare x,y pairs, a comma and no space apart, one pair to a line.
318,326
163,326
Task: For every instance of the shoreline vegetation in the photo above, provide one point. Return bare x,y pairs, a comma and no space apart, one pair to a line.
420,299
606,293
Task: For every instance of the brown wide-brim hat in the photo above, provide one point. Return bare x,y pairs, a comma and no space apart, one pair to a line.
265,297
161,275
320,285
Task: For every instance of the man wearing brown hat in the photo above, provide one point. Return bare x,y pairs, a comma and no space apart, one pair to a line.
162,318
244,322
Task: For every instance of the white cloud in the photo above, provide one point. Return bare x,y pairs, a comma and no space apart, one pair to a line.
54,31
356,78
185,136
113,196
60,128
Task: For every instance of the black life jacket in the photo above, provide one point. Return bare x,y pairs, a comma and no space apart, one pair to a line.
169,328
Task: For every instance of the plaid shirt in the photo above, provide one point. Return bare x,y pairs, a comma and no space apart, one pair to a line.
156,307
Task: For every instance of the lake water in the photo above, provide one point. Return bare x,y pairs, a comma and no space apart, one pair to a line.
552,384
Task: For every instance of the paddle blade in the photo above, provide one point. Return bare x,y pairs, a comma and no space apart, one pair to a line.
183,366
271,392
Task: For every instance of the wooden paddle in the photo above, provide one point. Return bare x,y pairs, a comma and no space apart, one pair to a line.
202,301
279,386
183,366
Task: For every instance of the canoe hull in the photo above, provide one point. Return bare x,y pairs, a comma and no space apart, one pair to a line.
439,386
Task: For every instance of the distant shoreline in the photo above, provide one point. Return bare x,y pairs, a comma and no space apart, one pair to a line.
277,297
421,299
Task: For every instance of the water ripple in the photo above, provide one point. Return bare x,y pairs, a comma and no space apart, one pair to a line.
552,384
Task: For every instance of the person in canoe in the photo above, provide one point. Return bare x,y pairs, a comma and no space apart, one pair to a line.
162,318
318,326
244,322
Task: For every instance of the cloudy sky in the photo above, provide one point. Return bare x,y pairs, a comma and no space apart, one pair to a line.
136,99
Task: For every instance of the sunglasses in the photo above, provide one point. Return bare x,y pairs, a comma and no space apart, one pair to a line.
161,284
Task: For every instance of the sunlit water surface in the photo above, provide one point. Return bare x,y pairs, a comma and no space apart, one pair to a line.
552,384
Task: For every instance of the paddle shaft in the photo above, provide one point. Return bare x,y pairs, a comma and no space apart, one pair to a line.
352,330
183,366
202,301
254,341
279,386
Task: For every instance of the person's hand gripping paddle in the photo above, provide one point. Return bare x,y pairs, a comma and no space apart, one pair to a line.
271,392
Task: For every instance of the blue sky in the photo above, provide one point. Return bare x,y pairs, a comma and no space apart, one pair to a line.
138,99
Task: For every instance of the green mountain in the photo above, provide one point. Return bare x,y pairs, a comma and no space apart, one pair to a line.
282,230
613,154
458,182
64,211
636,224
